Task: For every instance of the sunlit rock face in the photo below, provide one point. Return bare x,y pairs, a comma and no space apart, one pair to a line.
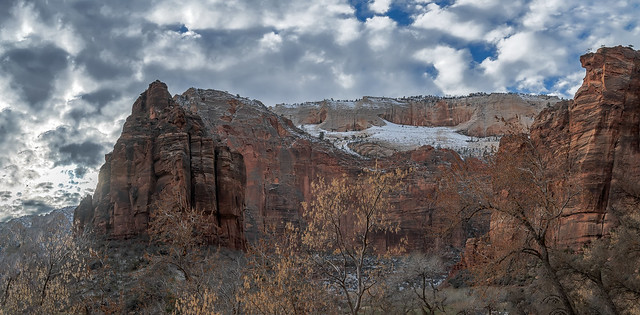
600,130
165,153
250,168
282,161
478,115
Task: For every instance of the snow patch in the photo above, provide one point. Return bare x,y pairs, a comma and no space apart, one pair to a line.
406,137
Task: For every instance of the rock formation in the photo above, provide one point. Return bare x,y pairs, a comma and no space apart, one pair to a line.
596,137
473,115
251,168
600,131
165,152
248,166
281,162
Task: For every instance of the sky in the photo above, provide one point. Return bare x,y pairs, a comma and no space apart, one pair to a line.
70,70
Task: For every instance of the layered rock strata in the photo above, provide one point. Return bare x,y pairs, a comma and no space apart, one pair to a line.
600,132
249,167
165,156
281,162
478,115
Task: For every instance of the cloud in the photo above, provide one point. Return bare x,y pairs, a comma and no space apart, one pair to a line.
101,97
73,147
446,20
271,41
33,71
380,30
9,127
380,6
85,153
35,206
45,186
452,66
80,171
5,195
70,70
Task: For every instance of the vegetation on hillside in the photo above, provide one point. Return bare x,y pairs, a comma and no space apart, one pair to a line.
331,265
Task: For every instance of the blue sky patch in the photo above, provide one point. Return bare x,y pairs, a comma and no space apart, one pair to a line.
182,29
550,82
400,15
362,9
482,51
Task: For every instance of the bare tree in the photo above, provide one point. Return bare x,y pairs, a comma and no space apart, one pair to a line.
341,220
279,278
526,194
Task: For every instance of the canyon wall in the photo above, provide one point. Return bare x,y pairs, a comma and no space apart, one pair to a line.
600,132
478,115
250,168
165,154
281,162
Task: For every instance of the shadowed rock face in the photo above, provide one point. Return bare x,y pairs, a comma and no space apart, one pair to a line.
600,130
165,150
248,166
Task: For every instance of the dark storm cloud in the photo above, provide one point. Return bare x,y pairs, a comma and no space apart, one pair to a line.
9,126
5,9
80,171
78,114
33,71
35,206
103,69
89,105
100,97
67,198
71,146
85,153
107,56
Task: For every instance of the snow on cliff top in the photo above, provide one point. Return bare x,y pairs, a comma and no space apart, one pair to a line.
405,137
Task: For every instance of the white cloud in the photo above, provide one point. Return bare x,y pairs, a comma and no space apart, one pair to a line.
452,66
436,18
520,62
568,86
218,14
347,30
25,22
345,80
380,30
271,41
542,13
380,6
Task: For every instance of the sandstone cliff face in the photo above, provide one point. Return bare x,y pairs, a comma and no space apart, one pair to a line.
473,115
281,162
251,167
600,130
165,152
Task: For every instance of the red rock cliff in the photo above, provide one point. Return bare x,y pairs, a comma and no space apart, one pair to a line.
600,129
164,149
282,161
190,142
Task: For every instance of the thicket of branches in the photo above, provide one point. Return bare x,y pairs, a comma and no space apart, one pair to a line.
333,265
528,193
